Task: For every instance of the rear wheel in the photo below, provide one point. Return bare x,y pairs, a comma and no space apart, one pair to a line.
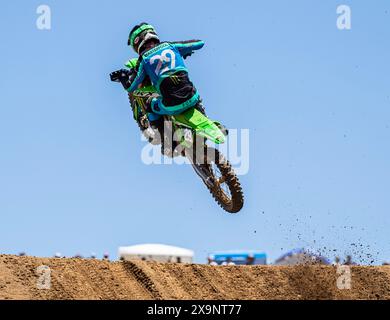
225,186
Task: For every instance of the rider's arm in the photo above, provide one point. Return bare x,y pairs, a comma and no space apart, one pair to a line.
186,48
140,77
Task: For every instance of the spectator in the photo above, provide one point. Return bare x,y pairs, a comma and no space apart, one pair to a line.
250,261
22,254
58,255
106,256
348,261
211,262
336,261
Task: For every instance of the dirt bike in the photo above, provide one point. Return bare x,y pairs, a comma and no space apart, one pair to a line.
186,135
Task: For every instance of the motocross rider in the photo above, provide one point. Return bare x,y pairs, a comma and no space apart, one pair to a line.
161,63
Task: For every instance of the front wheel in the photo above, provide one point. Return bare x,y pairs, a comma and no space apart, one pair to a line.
220,179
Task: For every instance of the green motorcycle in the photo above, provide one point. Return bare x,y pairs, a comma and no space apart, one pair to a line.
186,135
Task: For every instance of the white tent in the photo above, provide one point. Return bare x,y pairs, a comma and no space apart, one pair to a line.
156,252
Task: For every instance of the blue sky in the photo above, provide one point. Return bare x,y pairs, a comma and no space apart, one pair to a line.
316,101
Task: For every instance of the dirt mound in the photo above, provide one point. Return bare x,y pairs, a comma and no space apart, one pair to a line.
95,279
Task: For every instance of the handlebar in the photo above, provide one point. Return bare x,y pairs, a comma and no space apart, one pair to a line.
118,75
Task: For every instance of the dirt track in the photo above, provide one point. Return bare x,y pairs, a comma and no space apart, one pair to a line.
95,279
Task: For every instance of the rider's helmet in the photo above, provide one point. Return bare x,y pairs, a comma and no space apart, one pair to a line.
141,35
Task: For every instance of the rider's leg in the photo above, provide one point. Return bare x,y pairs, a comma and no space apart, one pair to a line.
168,144
158,106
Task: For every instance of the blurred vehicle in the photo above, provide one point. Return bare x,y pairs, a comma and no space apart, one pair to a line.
301,256
238,258
156,252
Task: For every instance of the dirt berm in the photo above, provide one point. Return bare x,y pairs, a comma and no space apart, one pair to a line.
95,279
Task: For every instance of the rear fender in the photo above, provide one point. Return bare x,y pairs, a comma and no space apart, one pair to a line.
202,125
